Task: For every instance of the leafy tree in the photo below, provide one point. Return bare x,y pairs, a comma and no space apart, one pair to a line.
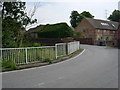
76,18
87,14
14,22
115,16
60,30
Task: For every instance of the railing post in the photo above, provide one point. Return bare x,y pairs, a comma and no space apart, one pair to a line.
56,51
79,45
26,56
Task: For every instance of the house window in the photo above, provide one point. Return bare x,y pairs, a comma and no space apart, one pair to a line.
84,30
113,25
98,30
107,38
104,31
113,31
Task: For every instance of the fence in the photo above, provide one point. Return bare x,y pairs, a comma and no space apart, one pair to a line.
73,46
85,40
61,49
29,54
38,54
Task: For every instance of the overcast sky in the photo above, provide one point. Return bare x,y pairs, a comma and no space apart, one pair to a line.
56,11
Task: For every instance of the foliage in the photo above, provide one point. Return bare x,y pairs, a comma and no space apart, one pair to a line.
76,18
78,34
87,14
115,16
14,22
48,60
28,43
36,45
9,64
60,30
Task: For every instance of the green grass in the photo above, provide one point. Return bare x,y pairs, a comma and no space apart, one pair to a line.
9,64
48,60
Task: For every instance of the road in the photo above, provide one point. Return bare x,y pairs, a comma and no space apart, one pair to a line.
96,67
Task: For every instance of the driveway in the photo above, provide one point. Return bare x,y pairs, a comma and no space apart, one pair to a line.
96,67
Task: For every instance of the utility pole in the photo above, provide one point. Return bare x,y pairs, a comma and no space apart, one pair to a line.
106,13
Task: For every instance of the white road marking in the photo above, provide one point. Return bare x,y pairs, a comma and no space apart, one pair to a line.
40,85
45,65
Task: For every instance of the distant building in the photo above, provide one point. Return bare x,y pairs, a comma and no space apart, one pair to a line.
33,32
117,36
99,30
119,5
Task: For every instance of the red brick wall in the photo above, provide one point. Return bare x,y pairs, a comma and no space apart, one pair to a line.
86,28
117,36
90,32
85,40
51,41
109,33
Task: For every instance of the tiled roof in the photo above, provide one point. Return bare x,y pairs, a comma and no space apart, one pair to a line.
102,24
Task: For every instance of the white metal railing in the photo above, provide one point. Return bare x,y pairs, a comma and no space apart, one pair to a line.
29,54
38,54
60,49
73,46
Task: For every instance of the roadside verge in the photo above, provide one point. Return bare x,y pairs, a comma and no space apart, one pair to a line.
39,64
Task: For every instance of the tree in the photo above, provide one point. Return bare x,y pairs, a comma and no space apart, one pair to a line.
76,18
87,14
115,16
59,30
14,22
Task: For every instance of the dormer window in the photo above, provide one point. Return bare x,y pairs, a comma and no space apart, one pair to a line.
105,24
113,31
113,25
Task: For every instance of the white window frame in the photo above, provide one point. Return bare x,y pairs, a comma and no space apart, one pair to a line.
98,30
104,31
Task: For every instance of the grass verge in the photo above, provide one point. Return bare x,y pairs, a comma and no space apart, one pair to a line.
46,61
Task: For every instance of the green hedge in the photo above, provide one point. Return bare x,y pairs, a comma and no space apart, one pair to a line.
60,30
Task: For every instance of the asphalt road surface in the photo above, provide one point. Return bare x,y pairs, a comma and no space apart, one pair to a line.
96,67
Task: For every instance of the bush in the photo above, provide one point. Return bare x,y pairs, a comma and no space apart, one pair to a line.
48,60
36,45
9,64
59,30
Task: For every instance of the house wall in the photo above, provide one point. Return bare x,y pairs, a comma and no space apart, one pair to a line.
96,34
86,28
117,36
108,35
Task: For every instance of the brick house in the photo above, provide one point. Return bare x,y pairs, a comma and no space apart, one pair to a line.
100,31
117,36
